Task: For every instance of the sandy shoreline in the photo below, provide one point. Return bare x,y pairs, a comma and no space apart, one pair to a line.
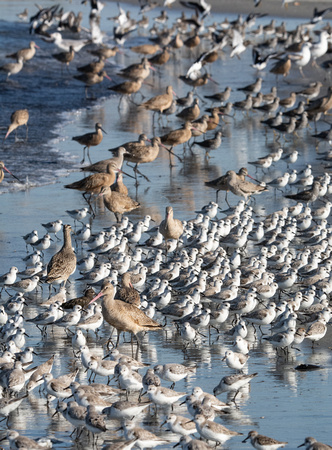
270,7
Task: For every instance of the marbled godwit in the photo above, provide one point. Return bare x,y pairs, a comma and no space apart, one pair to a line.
119,186
127,88
160,58
190,113
123,316
96,183
242,188
143,154
177,137
142,138
90,140
192,41
63,263
118,203
101,166
90,79
93,67
160,102
106,52
12,68
146,49
213,120
170,228
137,70
127,293
65,57
220,183
25,53
2,175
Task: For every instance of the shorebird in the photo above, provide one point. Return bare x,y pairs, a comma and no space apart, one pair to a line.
12,68
90,79
25,53
261,442
138,70
160,102
307,196
127,293
90,140
311,443
123,316
127,88
321,105
141,154
243,188
101,166
65,57
63,263
233,383
213,431
2,175
118,203
93,67
171,228
17,119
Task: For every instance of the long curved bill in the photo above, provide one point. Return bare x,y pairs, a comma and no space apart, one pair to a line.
5,168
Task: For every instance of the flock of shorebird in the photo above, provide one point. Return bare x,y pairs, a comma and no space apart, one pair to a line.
206,275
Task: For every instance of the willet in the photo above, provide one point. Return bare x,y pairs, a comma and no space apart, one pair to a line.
90,140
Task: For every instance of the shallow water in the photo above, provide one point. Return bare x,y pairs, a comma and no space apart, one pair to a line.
282,403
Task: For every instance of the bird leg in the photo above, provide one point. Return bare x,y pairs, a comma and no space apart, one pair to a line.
142,174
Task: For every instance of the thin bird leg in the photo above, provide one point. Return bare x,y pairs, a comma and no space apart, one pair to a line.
172,153
142,174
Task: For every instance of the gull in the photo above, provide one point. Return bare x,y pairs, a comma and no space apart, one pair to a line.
302,57
237,44
65,44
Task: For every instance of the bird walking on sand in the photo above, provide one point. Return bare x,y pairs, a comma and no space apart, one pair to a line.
63,263
90,140
123,316
259,441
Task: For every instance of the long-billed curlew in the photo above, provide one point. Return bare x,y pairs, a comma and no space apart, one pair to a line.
123,316
17,119
90,140
63,263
